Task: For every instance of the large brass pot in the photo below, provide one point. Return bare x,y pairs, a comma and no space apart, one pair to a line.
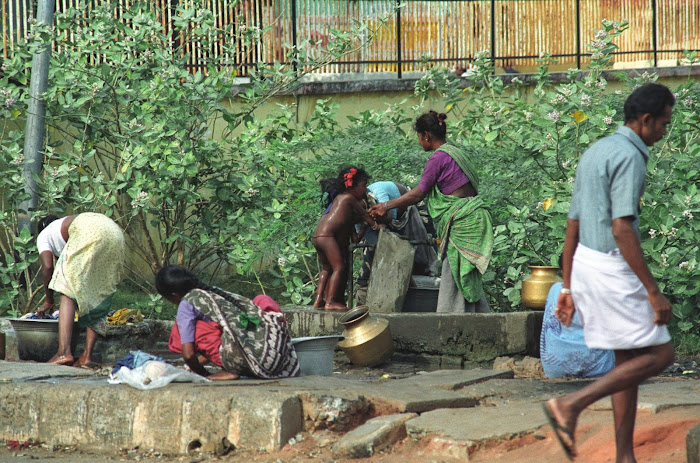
536,286
368,340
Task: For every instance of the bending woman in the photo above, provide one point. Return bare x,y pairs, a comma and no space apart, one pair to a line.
450,184
90,252
253,341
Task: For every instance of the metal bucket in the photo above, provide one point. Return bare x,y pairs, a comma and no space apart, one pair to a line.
38,339
315,354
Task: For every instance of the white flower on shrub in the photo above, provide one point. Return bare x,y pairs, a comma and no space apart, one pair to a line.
688,101
554,116
18,159
586,99
687,214
282,262
687,266
664,258
252,191
601,34
607,120
652,233
601,84
140,200
597,43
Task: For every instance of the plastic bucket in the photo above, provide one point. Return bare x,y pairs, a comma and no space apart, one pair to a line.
315,354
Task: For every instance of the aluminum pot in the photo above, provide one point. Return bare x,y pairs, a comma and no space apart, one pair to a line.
38,339
368,340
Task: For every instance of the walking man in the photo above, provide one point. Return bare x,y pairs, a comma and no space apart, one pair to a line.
605,276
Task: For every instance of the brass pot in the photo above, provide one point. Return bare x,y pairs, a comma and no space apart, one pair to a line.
536,286
368,340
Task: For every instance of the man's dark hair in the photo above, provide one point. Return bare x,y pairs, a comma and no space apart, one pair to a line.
651,99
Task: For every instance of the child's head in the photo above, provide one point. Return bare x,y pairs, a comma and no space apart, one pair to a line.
354,180
175,280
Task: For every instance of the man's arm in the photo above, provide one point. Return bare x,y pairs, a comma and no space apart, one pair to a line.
565,303
630,248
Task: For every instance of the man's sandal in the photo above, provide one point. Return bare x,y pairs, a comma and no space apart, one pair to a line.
559,432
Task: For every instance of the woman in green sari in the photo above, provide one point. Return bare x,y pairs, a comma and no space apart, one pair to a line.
450,186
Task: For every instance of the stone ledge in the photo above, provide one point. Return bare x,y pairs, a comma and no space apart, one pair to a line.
434,339
469,337
372,84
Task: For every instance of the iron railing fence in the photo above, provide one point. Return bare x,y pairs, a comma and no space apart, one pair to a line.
448,32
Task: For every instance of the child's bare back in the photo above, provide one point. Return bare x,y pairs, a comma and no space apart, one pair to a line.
340,221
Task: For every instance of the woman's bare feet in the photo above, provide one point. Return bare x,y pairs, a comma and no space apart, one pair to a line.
223,375
335,306
61,360
319,303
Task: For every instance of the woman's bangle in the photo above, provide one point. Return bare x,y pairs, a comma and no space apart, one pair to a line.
565,291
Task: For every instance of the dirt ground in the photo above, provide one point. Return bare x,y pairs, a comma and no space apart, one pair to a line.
659,438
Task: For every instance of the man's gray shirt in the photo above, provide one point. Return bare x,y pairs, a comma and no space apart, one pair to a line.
609,184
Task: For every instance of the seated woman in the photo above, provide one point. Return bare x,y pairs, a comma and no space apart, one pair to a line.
253,341
563,351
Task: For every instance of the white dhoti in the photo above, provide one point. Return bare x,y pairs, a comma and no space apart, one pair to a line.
613,304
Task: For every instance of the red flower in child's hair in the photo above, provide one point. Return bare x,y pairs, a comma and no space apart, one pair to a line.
348,177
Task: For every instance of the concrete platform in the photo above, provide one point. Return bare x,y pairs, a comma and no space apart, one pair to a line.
465,409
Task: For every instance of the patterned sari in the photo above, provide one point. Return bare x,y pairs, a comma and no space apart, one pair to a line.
465,224
253,342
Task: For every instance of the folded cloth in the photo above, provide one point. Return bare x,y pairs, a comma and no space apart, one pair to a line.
124,316
134,359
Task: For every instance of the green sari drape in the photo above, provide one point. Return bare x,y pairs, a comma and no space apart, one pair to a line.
464,226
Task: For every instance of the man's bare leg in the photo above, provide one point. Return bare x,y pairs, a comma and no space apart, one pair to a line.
624,405
647,362
66,317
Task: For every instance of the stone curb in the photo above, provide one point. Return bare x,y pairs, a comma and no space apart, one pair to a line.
376,434
169,420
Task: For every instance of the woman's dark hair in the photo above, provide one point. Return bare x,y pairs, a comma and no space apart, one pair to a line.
347,178
175,279
432,122
651,98
44,222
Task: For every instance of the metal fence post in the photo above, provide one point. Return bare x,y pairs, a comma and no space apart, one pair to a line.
578,34
493,31
398,37
654,44
295,63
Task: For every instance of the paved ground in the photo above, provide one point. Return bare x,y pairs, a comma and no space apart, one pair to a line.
394,415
